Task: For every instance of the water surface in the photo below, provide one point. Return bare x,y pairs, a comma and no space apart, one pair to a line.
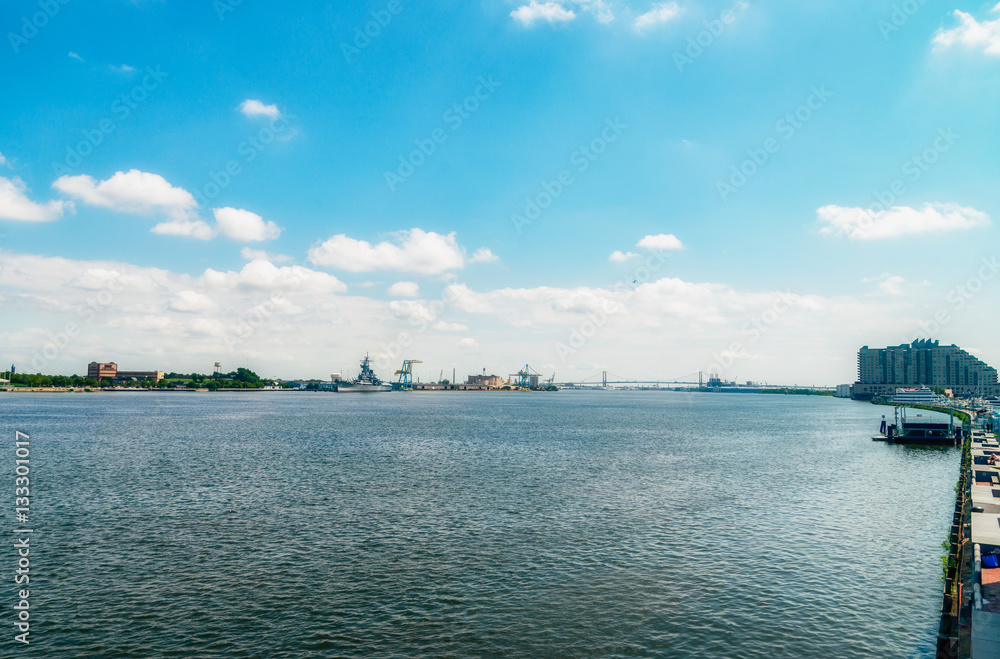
475,524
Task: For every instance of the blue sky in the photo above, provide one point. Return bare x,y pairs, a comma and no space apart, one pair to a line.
314,120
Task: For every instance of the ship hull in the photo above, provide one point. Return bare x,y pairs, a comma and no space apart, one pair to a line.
363,388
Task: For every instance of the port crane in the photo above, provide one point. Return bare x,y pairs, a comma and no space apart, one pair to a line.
524,377
404,380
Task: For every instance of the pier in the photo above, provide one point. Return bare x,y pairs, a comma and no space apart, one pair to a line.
970,610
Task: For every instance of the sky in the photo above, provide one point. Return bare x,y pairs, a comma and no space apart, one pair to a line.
754,189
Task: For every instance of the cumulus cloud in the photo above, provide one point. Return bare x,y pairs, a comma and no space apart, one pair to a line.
484,255
192,302
468,343
405,289
251,254
665,327
254,108
95,279
413,251
971,33
244,226
445,326
130,192
864,224
662,241
602,12
619,256
658,15
551,12
411,311
15,204
267,276
185,228
887,284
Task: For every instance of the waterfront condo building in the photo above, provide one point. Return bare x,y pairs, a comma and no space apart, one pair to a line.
922,363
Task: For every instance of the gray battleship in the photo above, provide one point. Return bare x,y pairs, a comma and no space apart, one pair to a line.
366,382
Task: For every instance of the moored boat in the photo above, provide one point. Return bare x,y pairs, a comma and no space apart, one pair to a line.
919,433
366,382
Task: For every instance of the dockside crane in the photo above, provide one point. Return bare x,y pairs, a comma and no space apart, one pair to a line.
404,379
525,375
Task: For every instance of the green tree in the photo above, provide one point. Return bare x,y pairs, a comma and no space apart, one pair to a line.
246,376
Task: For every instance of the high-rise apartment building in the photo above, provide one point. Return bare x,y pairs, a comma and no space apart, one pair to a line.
923,363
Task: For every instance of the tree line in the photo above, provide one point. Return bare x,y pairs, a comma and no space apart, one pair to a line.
241,378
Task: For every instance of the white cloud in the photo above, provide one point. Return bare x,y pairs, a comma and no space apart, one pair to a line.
468,343
130,192
266,276
970,33
95,279
124,68
3,161
602,12
864,224
242,225
206,327
619,256
450,327
192,302
414,251
662,241
664,328
75,56
484,255
15,204
254,108
411,311
552,12
405,289
251,254
889,284
658,15
185,228
142,192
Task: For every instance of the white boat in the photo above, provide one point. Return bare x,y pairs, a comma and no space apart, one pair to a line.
923,395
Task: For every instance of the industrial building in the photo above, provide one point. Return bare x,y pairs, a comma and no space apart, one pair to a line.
486,381
109,370
881,371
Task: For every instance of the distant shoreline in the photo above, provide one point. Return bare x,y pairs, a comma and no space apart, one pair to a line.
96,390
